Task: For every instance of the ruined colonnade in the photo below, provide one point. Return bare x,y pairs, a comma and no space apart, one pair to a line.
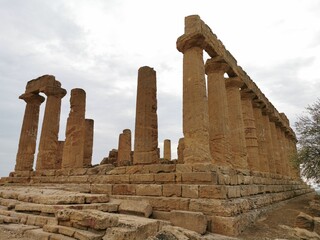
75,151
231,123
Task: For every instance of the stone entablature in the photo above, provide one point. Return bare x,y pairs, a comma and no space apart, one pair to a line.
197,33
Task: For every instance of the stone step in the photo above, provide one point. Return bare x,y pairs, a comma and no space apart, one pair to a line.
33,220
39,234
8,219
134,227
50,210
51,196
74,232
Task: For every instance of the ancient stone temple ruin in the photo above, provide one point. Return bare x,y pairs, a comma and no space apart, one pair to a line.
234,159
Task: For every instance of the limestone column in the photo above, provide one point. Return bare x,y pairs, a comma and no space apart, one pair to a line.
88,142
167,149
237,135
48,145
261,138
146,127
59,154
29,130
269,142
180,150
219,131
73,152
276,148
124,148
195,103
250,131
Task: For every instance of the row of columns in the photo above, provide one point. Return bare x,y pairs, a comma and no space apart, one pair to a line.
75,151
224,124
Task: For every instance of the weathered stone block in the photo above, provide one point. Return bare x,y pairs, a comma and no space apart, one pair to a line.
183,168
304,221
199,177
124,189
233,191
212,191
165,177
190,191
139,208
142,178
195,221
149,190
101,188
169,190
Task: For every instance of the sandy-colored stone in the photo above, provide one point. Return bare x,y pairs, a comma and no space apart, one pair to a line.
195,221
73,152
88,142
250,130
180,150
139,208
146,126
167,149
48,145
124,148
304,221
238,142
219,132
29,130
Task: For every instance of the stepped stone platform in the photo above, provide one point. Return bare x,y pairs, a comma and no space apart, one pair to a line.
229,199
234,159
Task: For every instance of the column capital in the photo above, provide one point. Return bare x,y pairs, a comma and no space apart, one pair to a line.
54,91
217,65
247,94
32,98
188,41
234,82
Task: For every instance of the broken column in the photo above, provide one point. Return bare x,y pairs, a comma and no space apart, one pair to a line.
250,130
238,141
219,133
180,150
73,152
167,149
88,142
29,130
146,126
195,103
124,148
48,145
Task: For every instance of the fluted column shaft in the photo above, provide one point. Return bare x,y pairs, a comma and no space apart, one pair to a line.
269,143
73,152
88,142
195,108
29,130
250,132
146,127
238,141
167,149
48,146
124,147
276,148
262,139
219,131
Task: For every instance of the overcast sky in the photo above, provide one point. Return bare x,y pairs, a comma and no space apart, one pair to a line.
99,45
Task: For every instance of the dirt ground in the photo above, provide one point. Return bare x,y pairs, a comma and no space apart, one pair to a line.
273,225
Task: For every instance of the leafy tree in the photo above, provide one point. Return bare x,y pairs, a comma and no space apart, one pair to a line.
308,129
